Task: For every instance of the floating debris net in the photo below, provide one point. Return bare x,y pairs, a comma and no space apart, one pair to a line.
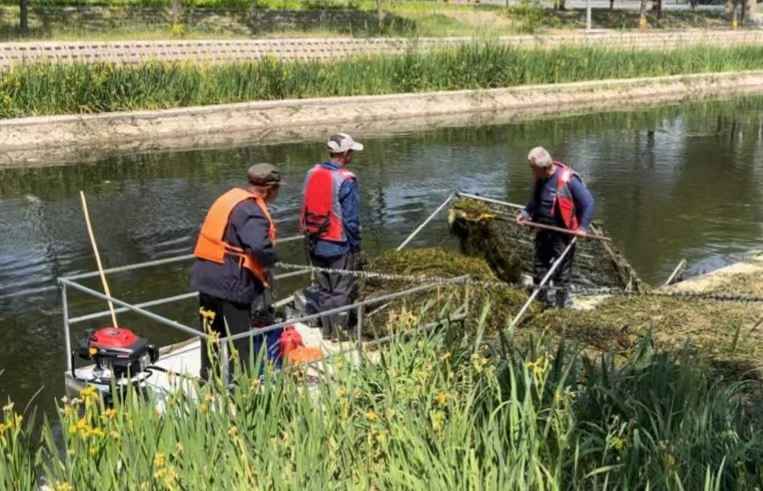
489,230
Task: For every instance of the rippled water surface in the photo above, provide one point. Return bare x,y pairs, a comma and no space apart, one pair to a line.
671,183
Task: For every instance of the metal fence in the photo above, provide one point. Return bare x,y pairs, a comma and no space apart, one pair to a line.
68,283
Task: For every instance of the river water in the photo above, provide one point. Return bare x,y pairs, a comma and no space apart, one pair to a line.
670,183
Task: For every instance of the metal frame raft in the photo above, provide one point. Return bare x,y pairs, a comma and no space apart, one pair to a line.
67,283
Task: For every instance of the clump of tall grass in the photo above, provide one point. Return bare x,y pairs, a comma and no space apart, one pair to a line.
438,412
213,4
18,450
55,89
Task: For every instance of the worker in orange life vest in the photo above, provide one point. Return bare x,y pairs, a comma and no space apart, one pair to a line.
331,222
561,199
234,253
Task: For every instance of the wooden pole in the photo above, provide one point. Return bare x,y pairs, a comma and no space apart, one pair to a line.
565,231
106,289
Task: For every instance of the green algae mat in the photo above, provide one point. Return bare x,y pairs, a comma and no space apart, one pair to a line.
728,334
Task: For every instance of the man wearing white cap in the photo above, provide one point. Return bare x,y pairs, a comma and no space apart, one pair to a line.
331,222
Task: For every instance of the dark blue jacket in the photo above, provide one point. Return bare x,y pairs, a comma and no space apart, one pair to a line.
349,198
544,191
248,229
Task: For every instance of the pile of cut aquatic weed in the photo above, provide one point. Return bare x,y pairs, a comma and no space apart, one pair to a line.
46,89
728,334
438,263
743,284
431,414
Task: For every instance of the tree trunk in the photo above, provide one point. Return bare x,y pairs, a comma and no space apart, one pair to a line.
24,16
560,5
177,11
693,4
642,16
253,17
741,12
750,10
611,4
729,8
379,15
657,8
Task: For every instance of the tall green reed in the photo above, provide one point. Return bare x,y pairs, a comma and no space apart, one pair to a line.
54,89
18,450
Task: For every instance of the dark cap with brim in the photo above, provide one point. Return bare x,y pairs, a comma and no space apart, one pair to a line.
264,174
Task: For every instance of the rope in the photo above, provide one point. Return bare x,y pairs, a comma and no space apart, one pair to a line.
375,275
578,291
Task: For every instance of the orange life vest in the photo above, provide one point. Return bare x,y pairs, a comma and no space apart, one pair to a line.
211,245
564,198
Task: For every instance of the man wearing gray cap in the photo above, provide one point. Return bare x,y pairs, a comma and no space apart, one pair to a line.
234,253
331,222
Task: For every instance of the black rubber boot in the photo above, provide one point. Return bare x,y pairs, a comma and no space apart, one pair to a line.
546,297
563,300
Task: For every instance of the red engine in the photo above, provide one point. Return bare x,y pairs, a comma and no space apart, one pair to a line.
117,352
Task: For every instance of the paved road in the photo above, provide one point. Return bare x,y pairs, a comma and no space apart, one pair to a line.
619,5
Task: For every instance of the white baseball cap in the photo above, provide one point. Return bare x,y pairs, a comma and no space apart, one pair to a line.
342,142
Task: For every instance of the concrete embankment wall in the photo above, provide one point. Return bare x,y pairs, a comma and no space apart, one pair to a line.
60,139
329,48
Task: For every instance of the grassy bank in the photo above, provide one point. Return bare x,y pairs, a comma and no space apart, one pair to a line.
222,4
445,412
154,19
59,89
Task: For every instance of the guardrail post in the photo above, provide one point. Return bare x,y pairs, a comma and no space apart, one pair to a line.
224,363
67,334
467,295
358,332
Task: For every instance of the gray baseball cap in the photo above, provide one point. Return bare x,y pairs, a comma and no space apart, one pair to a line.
263,174
342,142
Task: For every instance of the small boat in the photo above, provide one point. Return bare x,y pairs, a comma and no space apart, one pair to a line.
120,358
